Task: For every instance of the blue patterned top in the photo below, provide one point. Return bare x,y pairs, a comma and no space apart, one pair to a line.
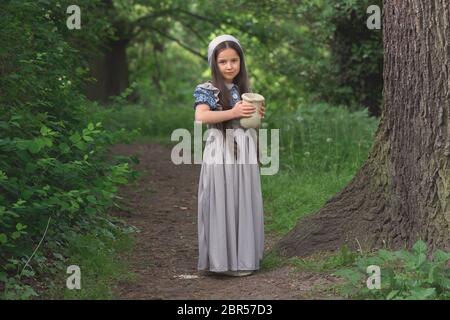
208,94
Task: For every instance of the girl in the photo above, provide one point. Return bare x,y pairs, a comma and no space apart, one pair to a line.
230,206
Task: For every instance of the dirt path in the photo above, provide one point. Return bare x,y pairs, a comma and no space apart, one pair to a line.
163,206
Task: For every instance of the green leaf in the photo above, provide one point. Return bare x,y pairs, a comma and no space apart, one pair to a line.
353,276
80,145
431,274
47,142
422,293
44,130
386,255
404,255
119,180
34,146
421,258
441,256
28,273
91,126
3,176
392,294
91,199
22,144
64,148
75,138
15,235
88,138
420,247
20,227
3,238
19,203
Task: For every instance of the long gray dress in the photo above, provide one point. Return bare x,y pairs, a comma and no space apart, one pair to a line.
230,206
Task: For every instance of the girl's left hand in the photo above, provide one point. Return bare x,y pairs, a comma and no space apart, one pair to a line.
262,110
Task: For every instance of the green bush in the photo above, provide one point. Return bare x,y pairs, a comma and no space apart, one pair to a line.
404,275
55,178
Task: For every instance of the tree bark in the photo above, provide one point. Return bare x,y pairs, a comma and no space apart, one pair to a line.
110,69
111,72
401,193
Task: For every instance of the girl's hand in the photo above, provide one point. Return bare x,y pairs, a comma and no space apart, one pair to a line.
262,110
243,109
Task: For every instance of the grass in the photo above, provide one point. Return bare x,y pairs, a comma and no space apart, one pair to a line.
319,262
301,194
101,264
321,148
272,260
154,121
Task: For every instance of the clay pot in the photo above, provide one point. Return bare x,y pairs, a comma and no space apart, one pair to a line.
255,120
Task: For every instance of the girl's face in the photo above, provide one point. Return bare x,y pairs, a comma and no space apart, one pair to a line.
229,64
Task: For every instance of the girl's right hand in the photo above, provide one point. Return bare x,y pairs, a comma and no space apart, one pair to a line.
243,109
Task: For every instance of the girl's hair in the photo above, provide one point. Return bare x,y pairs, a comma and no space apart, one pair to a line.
241,80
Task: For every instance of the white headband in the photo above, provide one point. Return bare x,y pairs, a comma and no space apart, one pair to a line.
215,42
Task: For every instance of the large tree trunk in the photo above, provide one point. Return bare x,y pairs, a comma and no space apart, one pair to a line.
110,69
111,72
401,194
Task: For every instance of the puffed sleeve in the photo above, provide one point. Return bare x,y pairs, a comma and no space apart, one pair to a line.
204,96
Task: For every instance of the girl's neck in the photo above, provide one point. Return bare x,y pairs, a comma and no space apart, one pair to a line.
229,85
